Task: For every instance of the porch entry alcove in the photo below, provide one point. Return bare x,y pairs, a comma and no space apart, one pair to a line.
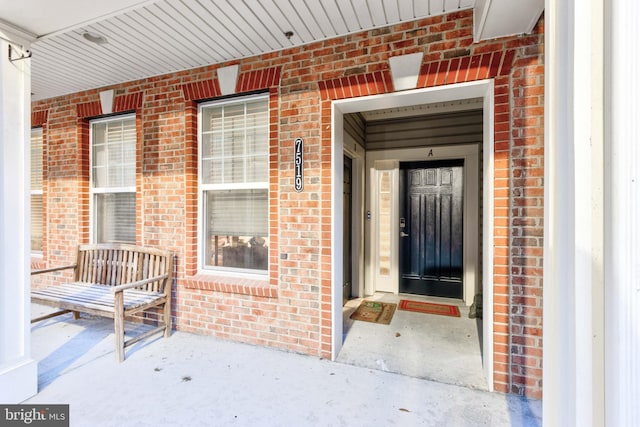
373,169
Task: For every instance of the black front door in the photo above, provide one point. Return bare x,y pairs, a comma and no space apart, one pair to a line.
431,229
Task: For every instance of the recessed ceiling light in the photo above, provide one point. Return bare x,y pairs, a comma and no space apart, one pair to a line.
94,38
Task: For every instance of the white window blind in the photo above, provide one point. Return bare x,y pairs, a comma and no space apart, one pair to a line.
235,145
113,179
239,212
234,175
36,190
116,217
114,153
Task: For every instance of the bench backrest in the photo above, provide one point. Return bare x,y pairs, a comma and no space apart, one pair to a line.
119,264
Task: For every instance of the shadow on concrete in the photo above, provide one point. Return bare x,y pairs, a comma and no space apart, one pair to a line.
71,343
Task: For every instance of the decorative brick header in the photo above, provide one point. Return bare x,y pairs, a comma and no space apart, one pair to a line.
435,73
466,69
248,81
89,109
259,79
38,118
353,86
127,102
201,90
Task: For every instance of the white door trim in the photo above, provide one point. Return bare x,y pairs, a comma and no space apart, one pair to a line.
356,152
468,152
480,89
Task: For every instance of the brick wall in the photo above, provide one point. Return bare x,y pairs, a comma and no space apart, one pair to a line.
526,218
290,309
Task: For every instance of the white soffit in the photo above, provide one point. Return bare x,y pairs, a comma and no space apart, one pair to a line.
155,37
501,18
166,36
46,17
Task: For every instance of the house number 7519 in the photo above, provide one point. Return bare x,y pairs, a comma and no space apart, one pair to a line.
298,165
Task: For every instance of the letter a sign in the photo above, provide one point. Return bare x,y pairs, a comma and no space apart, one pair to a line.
298,165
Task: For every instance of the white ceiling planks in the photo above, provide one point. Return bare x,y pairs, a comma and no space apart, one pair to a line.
378,15
278,19
300,29
162,27
406,11
238,27
364,18
330,20
391,10
157,37
200,19
166,24
451,4
200,29
264,30
136,45
347,17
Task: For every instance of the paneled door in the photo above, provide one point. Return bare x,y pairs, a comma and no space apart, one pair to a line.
431,228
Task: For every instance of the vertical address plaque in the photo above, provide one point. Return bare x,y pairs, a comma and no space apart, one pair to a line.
298,165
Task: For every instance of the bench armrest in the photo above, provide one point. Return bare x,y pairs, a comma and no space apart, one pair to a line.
142,282
49,270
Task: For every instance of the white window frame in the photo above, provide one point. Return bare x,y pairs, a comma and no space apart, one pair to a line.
37,192
203,188
104,190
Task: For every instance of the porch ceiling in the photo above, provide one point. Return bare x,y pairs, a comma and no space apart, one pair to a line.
154,37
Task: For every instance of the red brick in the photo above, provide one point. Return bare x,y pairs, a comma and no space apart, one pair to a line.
290,308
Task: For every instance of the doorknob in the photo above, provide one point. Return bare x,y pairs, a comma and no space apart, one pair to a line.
403,234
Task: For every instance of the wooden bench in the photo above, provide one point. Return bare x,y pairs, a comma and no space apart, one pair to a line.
115,281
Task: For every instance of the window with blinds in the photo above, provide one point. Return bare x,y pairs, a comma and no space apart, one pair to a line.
113,180
234,179
36,191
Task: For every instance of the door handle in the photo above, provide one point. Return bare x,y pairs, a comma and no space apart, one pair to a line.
403,234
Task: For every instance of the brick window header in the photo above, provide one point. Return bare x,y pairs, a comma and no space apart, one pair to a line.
121,103
38,118
247,82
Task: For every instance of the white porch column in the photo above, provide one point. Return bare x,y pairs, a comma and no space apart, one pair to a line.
622,214
18,371
573,364
592,214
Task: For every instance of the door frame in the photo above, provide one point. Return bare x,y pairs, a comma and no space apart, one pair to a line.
349,249
355,151
479,89
469,153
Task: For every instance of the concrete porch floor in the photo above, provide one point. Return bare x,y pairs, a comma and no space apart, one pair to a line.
191,380
440,348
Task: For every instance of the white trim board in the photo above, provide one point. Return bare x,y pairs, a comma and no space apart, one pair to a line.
481,89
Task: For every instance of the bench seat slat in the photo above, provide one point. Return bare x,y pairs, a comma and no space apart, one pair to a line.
97,297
